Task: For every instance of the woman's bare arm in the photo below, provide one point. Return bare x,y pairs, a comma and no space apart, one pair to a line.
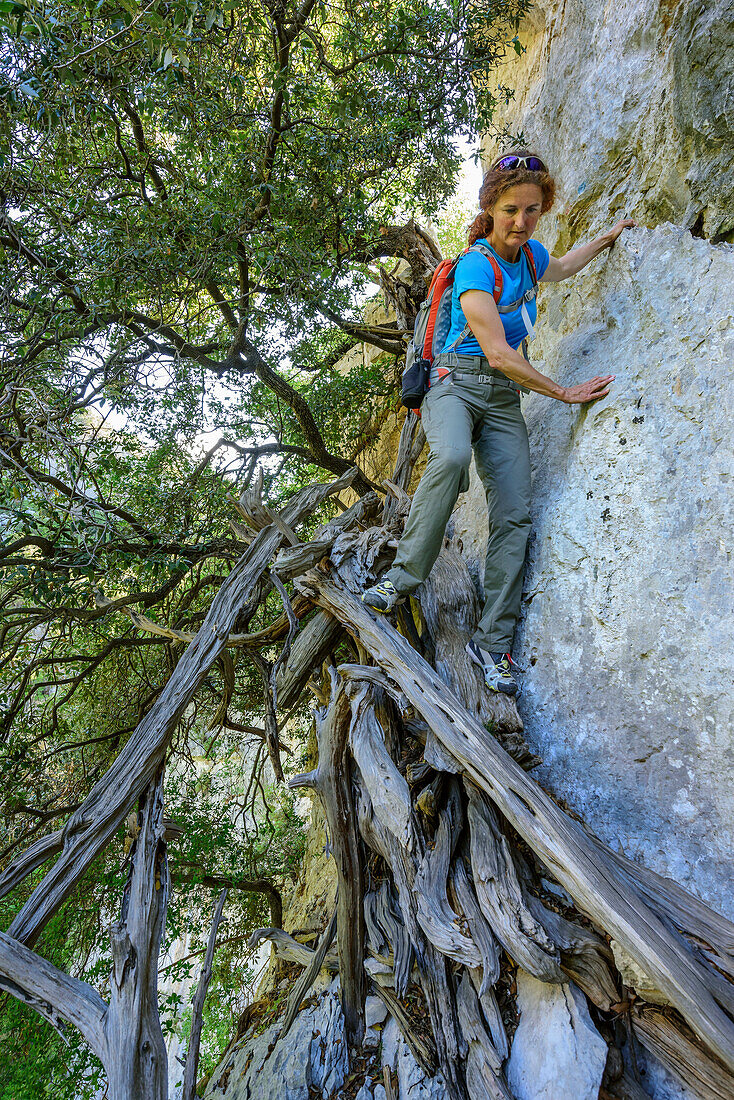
484,320
563,267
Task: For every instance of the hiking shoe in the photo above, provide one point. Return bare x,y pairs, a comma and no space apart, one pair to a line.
382,597
497,668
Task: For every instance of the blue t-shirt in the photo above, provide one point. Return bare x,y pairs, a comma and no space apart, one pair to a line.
474,272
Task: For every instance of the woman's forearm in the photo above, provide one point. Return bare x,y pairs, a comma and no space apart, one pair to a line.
517,369
578,258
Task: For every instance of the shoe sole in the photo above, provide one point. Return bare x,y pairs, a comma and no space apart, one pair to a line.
514,690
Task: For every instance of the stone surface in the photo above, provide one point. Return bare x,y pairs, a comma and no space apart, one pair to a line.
634,112
312,1060
634,977
626,631
556,1051
312,1056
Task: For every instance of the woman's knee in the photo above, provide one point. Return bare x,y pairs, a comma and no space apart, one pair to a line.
450,461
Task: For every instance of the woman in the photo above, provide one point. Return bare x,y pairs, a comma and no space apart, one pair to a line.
474,399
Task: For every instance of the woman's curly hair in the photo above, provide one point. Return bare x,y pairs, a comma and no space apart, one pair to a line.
499,180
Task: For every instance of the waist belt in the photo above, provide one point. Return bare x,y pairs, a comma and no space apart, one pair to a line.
471,367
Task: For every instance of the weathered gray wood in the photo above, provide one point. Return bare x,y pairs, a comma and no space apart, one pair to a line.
492,1014
560,842
625,1088
309,975
137,1068
481,933
125,1034
423,1050
94,823
366,554
188,1089
311,646
54,995
441,924
450,607
432,966
411,443
332,781
296,560
501,897
484,1077
387,788
678,1048
585,956
386,920
35,855
289,949
682,910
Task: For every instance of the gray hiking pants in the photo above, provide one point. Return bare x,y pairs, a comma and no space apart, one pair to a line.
457,414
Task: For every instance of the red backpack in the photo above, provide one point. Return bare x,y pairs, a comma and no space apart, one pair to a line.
433,322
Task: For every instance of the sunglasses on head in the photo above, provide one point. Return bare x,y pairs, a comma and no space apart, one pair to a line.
533,164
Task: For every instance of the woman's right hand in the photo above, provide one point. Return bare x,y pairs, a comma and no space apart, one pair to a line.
587,391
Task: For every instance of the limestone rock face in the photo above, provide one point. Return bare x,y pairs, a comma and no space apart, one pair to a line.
627,629
632,106
556,1050
311,1059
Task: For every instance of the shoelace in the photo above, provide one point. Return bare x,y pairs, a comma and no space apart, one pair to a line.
504,668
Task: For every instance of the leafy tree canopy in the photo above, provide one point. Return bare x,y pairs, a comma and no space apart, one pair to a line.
196,200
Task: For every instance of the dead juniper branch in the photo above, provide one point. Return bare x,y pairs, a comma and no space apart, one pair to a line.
598,888
188,1090
331,780
125,1034
92,826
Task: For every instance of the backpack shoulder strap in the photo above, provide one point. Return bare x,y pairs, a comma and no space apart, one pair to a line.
497,292
531,262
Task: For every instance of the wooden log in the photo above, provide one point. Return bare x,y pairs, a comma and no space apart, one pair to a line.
484,1077
481,933
676,1046
289,949
501,896
296,560
387,788
625,1088
311,646
592,880
411,443
450,606
309,975
35,855
679,909
54,995
332,781
138,1066
435,977
422,1049
585,956
188,1089
384,916
94,823
492,1014
441,924
126,1033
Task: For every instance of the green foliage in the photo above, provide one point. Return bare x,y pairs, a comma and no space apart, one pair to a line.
192,199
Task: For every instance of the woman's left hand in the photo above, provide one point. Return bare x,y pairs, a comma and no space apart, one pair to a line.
614,232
